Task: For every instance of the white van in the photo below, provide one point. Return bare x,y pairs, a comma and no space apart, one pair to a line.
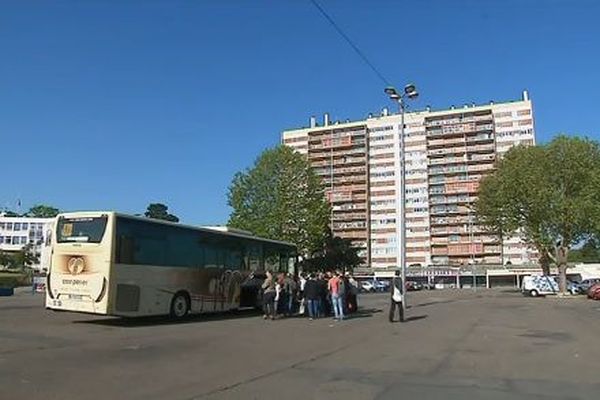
542,285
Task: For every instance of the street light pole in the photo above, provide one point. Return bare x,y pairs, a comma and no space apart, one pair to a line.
400,160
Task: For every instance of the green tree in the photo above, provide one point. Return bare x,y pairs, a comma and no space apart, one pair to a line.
282,198
42,211
337,254
547,194
589,252
6,259
160,211
26,257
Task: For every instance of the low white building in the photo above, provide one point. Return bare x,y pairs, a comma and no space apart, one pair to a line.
16,232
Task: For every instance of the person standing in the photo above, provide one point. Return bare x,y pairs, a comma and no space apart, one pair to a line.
352,292
301,297
280,296
323,305
268,288
291,289
312,295
336,289
397,296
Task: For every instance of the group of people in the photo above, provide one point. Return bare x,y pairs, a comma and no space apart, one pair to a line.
318,295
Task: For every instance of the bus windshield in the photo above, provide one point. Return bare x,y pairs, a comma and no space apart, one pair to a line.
86,230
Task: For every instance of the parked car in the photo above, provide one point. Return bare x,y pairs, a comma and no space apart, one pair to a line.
541,285
367,286
374,285
594,292
381,286
412,285
586,284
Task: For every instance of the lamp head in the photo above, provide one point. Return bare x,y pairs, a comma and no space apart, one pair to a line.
410,90
390,90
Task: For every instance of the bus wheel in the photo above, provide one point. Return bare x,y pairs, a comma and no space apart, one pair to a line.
180,305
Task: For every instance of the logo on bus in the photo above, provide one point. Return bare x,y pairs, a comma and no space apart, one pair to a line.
76,265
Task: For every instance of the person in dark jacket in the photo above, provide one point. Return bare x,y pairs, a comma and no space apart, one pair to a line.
397,296
324,304
312,294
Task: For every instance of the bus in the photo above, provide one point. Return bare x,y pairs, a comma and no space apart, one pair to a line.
114,264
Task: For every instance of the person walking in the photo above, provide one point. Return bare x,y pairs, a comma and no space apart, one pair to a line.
336,289
269,293
397,296
312,297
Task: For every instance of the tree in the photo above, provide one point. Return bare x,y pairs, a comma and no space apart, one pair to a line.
547,194
5,259
160,211
337,254
281,198
26,257
589,252
42,211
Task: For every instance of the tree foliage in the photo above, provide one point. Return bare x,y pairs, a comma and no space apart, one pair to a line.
22,259
42,211
337,254
588,253
160,211
282,198
548,194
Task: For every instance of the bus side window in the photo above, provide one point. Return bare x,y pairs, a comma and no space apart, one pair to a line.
126,250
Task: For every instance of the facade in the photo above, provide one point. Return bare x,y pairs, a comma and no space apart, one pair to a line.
16,232
447,152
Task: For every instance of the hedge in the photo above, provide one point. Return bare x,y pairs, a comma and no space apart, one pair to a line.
12,280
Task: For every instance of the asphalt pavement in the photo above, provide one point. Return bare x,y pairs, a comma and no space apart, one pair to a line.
456,344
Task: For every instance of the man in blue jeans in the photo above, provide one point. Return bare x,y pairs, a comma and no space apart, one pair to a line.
336,289
312,296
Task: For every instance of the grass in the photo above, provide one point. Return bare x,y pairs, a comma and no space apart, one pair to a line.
13,279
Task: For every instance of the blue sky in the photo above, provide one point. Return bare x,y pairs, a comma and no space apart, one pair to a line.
112,105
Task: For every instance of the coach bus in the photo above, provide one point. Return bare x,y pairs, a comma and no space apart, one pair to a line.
114,264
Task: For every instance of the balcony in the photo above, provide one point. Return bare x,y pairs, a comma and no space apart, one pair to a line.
481,167
342,216
447,170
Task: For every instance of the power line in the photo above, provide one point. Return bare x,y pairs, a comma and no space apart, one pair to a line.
350,42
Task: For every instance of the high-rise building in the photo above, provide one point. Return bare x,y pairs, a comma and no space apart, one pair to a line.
447,152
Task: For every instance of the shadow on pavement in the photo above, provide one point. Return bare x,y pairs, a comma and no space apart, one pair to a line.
431,303
365,313
134,322
414,318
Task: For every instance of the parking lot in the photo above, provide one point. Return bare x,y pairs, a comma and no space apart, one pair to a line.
456,344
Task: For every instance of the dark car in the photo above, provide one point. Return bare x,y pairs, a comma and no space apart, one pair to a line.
412,285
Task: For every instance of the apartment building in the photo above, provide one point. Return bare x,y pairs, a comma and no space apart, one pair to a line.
447,152
16,232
